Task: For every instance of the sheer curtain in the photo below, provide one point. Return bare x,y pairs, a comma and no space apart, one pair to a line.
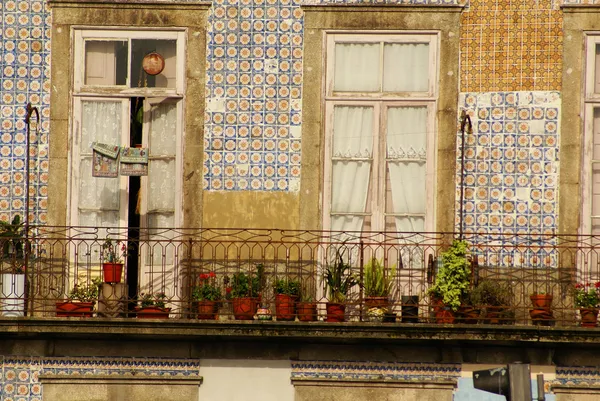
405,67
356,67
352,160
101,121
406,152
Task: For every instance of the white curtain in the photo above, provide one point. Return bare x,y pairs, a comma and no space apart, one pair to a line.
352,153
98,197
356,67
161,176
406,152
405,67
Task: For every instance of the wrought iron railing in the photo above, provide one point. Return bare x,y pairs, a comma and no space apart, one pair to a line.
171,264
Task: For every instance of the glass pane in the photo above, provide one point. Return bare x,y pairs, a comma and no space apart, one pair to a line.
405,67
162,249
357,67
100,122
597,70
352,131
350,186
161,182
105,62
163,127
167,49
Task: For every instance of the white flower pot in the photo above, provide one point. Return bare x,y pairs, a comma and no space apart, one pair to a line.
12,298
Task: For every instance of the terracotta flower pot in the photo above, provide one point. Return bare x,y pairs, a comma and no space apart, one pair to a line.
307,311
376,302
74,309
589,317
245,308
336,312
207,310
285,307
541,300
152,312
442,313
112,272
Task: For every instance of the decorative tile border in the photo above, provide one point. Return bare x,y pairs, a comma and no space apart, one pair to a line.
586,376
19,376
333,370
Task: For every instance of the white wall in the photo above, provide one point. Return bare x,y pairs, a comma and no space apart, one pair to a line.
245,380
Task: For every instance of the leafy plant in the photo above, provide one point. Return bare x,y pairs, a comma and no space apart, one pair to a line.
11,241
287,287
492,293
208,289
113,252
157,300
86,292
453,279
338,279
376,283
587,295
248,285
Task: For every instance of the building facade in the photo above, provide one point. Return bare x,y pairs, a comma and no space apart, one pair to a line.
316,116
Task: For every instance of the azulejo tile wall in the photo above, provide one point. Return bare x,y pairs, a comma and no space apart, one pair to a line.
19,376
511,163
25,50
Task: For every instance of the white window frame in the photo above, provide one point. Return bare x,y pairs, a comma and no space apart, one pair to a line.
381,101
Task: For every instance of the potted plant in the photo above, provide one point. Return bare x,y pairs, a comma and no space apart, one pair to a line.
113,254
286,295
494,299
376,314
306,307
245,293
153,306
338,280
541,299
587,298
13,279
452,282
81,300
207,296
376,284
541,314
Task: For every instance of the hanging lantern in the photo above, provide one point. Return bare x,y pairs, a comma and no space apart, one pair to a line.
153,63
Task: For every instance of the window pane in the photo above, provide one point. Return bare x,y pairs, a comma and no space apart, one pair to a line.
405,67
162,249
105,62
165,48
597,70
96,192
161,182
356,67
352,131
100,122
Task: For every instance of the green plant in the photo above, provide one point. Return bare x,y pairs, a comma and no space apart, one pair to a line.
85,292
208,289
157,300
492,293
287,287
453,279
376,283
338,279
587,295
113,252
11,241
248,285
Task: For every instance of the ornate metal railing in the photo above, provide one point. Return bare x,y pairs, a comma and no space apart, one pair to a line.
41,268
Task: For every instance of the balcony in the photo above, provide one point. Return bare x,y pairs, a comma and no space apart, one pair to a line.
168,266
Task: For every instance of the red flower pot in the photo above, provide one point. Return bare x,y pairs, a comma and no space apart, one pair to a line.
376,302
442,313
152,312
589,317
112,272
541,300
336,312
207,310
306,311
245,308
285,307
74,309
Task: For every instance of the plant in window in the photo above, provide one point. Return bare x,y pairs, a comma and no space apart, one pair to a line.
286,295
114,253
377,283
80,301
245,292
587,299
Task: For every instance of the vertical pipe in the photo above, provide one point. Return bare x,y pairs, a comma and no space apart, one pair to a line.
464,118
